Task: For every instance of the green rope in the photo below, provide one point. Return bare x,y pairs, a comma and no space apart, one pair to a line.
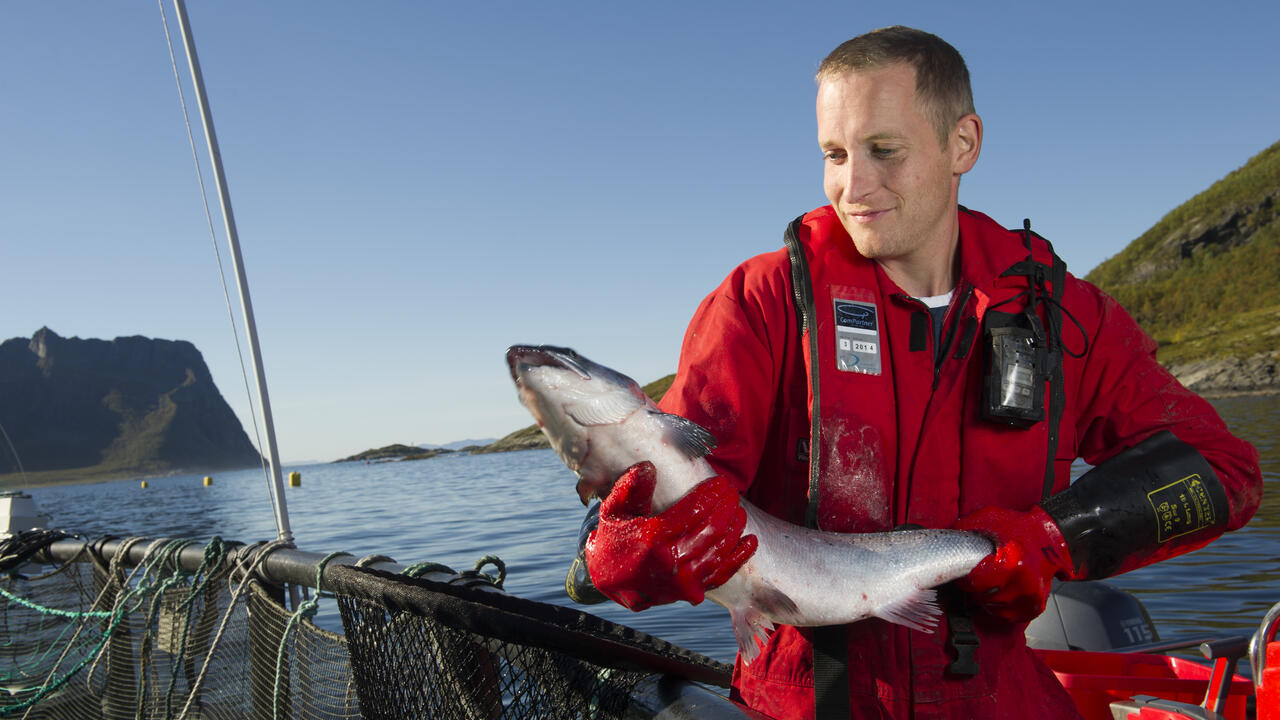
55,612
168,556
43,649
422,568
256,554
215,553
152,585
496,562
117,615
306,608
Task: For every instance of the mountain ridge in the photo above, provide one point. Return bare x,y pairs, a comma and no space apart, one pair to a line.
87,408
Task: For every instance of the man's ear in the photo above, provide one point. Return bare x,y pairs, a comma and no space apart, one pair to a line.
966,143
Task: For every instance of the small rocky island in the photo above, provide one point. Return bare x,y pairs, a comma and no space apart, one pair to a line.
395,451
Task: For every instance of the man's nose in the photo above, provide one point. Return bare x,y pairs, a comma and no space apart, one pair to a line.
859,179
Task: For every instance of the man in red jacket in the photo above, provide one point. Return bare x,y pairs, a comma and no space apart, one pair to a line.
905,360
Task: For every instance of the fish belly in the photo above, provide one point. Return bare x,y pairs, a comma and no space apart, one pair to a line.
804,577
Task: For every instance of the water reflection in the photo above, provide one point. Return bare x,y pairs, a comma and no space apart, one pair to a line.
1228,586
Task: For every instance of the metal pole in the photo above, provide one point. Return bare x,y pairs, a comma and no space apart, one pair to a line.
233,239
282,514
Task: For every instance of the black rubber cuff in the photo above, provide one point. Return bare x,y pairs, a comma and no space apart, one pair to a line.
578,582
1160,492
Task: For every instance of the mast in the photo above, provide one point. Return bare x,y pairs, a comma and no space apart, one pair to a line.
233,239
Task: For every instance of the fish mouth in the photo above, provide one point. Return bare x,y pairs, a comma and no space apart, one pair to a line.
586,492
521,358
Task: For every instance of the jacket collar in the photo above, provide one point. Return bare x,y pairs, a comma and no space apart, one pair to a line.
986,248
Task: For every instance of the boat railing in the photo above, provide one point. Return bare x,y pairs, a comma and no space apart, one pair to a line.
1258,645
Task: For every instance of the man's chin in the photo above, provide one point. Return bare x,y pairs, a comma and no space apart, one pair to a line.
868,245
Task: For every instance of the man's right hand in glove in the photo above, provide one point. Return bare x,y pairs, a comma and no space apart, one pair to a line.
639,560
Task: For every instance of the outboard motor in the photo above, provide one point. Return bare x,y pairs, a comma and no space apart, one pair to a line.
1090,615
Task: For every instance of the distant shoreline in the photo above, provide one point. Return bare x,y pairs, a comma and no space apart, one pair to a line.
1214,394
1229,376
57,478
84,476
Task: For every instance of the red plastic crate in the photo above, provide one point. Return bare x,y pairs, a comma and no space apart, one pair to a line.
1096,679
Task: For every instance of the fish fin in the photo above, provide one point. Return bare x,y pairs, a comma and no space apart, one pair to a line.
601,410
690,438
753,623
918,610
774,603
751,629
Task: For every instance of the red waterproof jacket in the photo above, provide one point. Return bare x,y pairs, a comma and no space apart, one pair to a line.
907,445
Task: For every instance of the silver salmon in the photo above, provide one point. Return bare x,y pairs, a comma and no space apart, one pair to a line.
600,423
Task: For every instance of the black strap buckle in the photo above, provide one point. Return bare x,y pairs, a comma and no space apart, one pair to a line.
965,646
961,638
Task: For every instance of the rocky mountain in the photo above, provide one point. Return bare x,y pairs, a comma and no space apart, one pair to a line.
132,405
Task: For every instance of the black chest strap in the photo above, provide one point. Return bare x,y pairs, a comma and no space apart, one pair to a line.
1057,393
830,646
807,320
1054,276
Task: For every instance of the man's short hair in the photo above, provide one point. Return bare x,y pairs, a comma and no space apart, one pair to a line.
942,79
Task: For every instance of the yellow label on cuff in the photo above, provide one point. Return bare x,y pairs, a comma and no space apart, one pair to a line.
1181,508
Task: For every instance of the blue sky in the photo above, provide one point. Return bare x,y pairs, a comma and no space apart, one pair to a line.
419,185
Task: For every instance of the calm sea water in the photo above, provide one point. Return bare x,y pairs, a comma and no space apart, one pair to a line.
521,507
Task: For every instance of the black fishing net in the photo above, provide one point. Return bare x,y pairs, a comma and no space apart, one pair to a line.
424,649
90,639
83,641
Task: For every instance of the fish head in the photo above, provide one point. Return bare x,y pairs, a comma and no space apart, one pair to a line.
581,407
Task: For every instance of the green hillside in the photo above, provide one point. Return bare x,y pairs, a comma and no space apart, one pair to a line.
1205,280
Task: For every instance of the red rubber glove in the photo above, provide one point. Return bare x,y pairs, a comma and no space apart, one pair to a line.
638,560
1014,581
